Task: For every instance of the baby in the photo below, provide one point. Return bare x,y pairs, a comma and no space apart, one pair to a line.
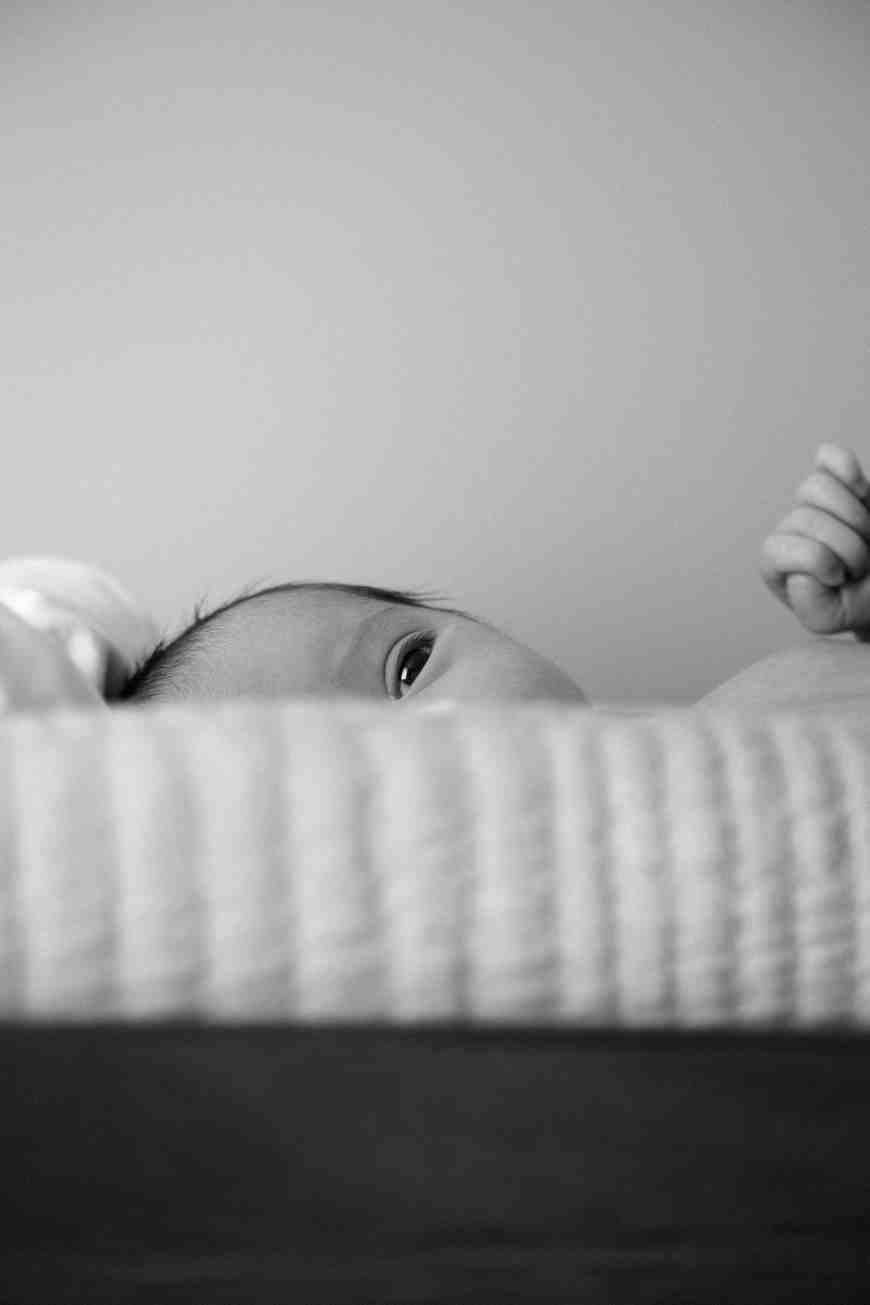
373,643
336,639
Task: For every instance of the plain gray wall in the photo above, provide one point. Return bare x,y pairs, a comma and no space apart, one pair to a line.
543,306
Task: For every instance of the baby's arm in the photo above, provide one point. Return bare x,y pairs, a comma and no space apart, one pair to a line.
817,560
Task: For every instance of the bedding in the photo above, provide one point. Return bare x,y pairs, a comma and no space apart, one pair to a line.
690,868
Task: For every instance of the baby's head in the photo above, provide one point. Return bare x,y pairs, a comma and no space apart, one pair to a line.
333,639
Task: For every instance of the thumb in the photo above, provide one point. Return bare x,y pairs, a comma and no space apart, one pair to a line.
817,607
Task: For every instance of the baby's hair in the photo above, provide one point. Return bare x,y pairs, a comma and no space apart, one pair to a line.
169,656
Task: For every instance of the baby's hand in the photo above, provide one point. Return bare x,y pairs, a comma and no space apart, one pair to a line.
817,561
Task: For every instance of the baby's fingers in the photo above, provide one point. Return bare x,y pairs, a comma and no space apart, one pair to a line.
784,554
824,491
845,543
818,608
844,465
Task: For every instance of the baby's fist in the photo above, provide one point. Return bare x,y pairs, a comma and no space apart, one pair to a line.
817,560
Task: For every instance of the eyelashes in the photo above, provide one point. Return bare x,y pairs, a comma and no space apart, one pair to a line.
410,661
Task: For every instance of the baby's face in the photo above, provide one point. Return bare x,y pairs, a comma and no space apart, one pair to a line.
325,642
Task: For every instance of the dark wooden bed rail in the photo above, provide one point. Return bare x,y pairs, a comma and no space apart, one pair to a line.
268,1165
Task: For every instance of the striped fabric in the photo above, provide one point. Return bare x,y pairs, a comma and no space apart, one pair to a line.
355,861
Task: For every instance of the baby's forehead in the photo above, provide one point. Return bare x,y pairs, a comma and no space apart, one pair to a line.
302,607
309,626
312,631
279,642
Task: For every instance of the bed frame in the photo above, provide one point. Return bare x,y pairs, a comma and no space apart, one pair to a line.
370,1164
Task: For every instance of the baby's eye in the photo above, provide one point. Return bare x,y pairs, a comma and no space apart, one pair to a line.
411,660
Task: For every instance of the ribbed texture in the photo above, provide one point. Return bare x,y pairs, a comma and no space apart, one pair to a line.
351,861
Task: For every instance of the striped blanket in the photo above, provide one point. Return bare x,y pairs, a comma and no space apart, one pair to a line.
347,861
